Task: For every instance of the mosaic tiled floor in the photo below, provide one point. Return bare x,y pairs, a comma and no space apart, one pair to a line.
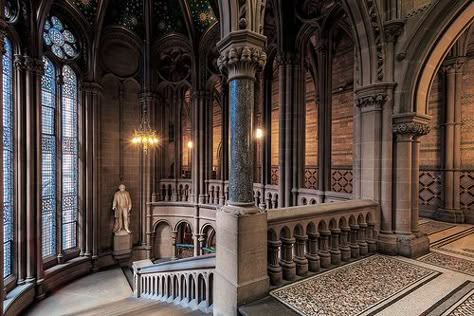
352,289
465,307
432,227
449,262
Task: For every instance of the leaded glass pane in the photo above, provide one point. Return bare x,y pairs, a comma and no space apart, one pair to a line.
48,152
69,158
60,39
8,158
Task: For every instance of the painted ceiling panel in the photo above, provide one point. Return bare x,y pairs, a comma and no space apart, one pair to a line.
202,14
88,8
168,17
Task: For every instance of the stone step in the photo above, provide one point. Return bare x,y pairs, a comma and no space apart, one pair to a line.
134,307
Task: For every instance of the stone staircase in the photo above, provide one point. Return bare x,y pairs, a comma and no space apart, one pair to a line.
137,306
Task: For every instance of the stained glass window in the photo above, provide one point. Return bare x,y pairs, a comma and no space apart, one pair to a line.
8,158
69,158
61,40
48,151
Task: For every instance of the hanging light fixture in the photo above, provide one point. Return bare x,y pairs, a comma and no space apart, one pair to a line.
145,135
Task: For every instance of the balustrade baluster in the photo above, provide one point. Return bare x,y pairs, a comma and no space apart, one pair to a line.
324,255
314,264
372,244
354,242
300,259
335,252
344,245
274,268
286,262
363,247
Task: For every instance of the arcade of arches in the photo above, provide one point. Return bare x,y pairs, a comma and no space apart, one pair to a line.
294,136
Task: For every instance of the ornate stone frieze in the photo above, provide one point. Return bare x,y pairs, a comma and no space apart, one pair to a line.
453,65
242,61
375,101
413,128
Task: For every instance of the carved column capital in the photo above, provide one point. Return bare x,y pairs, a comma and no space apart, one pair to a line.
392,30
34,65
453,65
371,102
18,62
242,54
411,128
91,87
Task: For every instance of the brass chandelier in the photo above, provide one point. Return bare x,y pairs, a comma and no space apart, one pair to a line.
145,135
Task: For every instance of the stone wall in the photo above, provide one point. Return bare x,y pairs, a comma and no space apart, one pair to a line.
119,162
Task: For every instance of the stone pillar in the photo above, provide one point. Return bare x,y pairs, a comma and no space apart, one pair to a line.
407,128
198,152
451,211
90,100
374,161
3,28
33,73
289,72
225,134
241,262
355,253
174,235
324,115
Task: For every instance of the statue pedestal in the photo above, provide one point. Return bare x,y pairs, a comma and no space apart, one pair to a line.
122,246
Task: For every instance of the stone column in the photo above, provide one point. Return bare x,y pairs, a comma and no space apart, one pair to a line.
300,258
334,250
3,28
241,261
19,68
225,134
33,73
91,94
407,128
324,116
451,211
198,152
324,255
344,247
289,72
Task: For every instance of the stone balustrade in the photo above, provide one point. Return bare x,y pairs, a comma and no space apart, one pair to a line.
187,282
175,190
306,239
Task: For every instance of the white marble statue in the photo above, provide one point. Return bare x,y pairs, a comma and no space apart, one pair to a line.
122,205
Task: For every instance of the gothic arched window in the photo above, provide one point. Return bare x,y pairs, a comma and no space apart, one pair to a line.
69,158
60,143
48,152
8,158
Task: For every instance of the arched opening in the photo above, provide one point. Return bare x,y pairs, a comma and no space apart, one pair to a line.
162,244
209,244
184,240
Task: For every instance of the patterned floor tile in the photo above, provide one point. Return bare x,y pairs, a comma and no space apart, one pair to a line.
352,289
465,307
449,262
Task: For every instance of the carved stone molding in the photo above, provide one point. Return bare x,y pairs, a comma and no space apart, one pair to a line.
242,54
377,31
375,101
411,128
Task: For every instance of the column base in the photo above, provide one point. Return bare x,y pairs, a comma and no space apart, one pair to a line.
241,262
413,246
387,244
451,216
